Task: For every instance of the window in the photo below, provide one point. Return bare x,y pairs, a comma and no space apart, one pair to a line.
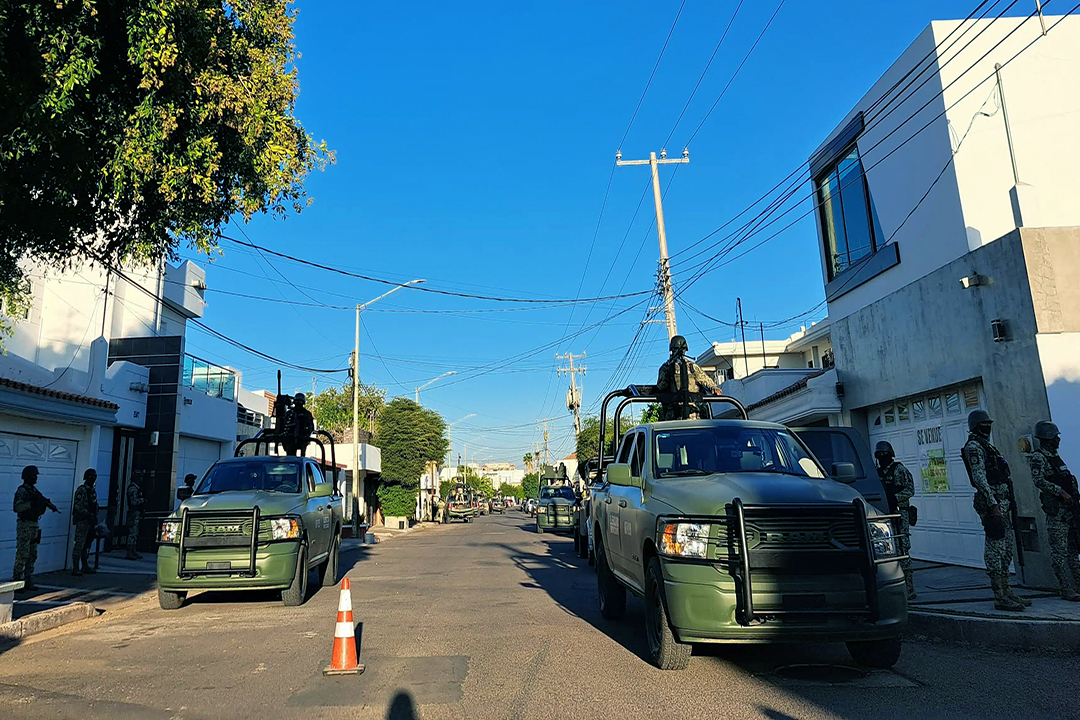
902,411
624,449
266,475
730,449
971,397
952,402
849,221
832,446
918,410
638,463
934,401
889,417
310,477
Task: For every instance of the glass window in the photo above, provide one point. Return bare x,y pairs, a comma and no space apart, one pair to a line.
268,475
902,411
952,402
934,402
638,463
971,397
731,449
918,410
850,225
624,449
563,492
832,446
890,418
310,478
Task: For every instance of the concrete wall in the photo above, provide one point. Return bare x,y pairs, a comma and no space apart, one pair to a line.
207,417
934,333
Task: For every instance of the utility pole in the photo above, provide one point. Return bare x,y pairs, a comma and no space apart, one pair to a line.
573,395
665,265
742,326
546,460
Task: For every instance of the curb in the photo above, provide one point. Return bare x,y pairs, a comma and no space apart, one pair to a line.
46,620
996,632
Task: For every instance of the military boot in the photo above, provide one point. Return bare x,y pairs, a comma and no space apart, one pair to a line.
28,584
86,569
1013,596
1002,601
75,571
1068,590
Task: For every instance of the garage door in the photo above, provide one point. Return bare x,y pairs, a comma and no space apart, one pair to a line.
928,431
55,460
196,456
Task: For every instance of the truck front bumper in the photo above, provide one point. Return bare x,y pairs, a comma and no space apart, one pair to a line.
703,606
555,522
275,567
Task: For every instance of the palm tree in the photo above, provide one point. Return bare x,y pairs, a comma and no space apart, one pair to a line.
528,462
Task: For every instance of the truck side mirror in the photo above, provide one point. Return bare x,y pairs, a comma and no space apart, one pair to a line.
323,490
844,472
618,474
184,493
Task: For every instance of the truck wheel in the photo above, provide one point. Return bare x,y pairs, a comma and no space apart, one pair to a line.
611,593
582,545
170,600
876,653
296,593
329,569
667,652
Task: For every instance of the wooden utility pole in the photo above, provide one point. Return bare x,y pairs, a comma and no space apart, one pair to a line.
665,265
573,395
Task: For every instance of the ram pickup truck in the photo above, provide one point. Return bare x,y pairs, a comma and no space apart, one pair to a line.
731,532
252,523
555,509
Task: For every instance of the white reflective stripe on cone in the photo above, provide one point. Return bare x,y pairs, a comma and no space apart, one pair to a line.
344,630
345,601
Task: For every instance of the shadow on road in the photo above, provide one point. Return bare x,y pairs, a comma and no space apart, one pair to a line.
402,707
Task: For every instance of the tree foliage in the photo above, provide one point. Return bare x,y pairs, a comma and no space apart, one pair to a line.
530,486
409,436
130,127
589,440
476,481
514,491
332,408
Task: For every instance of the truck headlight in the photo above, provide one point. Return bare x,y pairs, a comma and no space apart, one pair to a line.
689,540
883,539
170,531
284,529
542,508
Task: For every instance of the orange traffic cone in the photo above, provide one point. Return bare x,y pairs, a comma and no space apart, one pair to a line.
343,660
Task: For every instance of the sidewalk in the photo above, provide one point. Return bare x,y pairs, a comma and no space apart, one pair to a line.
956,604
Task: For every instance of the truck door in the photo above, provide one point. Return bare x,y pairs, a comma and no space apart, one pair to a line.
318,509
635,520
616,504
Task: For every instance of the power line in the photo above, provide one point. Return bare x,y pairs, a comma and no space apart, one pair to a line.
653,73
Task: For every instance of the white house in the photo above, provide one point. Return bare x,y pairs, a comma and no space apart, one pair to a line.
96,375
947,213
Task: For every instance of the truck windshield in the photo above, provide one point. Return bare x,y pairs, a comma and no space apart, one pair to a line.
563,492
730,449
267,475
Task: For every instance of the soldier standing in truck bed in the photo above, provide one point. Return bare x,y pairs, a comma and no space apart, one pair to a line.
684,376
1059,496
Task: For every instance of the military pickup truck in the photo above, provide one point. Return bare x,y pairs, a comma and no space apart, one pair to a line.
252,523
555,509
461,506
731,531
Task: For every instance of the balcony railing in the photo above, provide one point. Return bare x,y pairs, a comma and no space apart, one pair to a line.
208,378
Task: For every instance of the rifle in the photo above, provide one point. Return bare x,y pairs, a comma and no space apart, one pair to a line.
43,501
1007,472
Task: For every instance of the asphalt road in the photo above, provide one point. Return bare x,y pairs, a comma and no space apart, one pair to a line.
486,620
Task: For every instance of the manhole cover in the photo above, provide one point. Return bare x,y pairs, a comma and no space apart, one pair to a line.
821,673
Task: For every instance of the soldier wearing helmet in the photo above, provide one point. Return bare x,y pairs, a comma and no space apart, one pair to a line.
899,489
682,375
989,475
1061,502
299,426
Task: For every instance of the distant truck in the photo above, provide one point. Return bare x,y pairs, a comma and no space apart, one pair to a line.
731,531
833,446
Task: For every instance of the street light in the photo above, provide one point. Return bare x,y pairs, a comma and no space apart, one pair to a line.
356,401
445,374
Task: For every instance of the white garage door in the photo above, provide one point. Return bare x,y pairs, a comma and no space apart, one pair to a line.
55,460
196,456
928,431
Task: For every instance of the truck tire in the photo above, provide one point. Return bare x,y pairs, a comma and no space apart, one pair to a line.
611,593
666,652
170,600
296,593
583,546
329,569
876,653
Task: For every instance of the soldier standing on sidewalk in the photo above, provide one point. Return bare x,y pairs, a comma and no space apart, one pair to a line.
1058,493
989,475
899,488
135,502
29,505
84,513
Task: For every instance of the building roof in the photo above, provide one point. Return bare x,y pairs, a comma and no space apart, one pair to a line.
789,390
70,397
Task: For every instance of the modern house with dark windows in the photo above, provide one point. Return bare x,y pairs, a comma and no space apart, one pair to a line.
947,217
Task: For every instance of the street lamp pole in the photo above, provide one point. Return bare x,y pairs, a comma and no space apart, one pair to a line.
356,404
445,374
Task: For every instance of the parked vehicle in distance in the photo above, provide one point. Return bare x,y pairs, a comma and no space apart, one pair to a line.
498,505
731,531
835,445
460,507
555,509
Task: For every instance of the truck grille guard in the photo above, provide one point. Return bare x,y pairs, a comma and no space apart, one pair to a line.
839,534
231,540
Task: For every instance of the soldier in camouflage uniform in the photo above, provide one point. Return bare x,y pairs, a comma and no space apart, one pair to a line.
29,505
84,513
989,475
1058,493
135,503
899,489
680,374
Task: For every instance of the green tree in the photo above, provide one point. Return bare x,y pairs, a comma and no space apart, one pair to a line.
514,491
589,439
530,486
332,408
132,127
409,436
476,481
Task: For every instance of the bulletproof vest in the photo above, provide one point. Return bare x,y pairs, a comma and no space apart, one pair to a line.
684,386
37,504
1059,474
888,482
994,463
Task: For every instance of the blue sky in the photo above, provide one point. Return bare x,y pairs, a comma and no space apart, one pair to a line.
474,145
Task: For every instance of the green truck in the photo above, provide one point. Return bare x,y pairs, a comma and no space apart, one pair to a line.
555,509
461,506
261,522
731,531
